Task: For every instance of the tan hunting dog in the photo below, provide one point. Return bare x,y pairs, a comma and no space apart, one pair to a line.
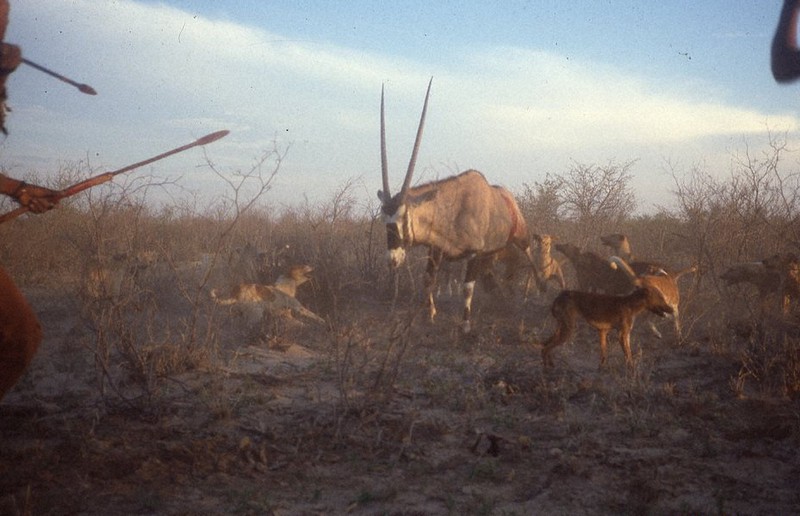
603,312
461,217
274,299
665,282
621,246
546,266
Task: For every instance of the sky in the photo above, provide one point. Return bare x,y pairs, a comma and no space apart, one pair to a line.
520,89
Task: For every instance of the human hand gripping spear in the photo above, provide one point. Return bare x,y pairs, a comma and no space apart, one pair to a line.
107,176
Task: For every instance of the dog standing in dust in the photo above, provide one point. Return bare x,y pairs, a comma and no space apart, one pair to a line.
273,299
662,281
603,312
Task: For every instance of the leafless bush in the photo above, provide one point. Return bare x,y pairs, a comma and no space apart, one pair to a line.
598,197
367,371
772,359
542,204
582,203
147,313
38,250
746,216
338,238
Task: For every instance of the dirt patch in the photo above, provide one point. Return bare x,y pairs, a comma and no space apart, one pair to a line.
393,415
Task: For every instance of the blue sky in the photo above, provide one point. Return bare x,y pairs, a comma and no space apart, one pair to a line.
520,88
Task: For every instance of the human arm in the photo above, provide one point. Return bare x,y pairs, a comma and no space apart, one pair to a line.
37,199
785,56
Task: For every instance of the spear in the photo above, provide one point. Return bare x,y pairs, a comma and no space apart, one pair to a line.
83,88
107,176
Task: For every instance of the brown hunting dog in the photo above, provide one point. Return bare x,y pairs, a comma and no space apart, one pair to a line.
603,312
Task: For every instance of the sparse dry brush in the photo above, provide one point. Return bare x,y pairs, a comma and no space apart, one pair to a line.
139,277
719,219
134,251
379,388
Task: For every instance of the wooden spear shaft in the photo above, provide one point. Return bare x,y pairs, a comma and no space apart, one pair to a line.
83,88
107,176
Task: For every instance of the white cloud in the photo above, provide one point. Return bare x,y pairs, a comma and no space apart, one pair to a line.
544,98
165,75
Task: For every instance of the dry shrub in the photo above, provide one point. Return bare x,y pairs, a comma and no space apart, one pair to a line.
747,216
586,201
140,276
341,240
772,359
719,219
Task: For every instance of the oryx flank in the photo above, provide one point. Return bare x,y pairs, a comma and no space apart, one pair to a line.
460,217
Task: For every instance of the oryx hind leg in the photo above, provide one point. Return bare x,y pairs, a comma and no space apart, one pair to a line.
475,267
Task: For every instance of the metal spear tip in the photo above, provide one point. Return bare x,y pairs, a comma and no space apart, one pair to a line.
85,88
209,138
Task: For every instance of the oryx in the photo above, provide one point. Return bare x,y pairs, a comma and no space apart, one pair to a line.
459,217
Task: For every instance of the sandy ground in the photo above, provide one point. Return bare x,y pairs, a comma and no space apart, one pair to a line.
374,417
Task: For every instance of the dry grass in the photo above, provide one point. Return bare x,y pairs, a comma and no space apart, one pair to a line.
152,399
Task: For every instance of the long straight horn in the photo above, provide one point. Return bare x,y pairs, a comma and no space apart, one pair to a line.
384,161
414,153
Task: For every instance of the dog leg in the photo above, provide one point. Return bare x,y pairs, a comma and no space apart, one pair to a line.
677,321
625,341
603,347
562,333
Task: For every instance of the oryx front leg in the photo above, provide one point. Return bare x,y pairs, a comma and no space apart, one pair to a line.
429,291
431,271
469,290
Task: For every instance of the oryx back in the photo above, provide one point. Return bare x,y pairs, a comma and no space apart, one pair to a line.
464,216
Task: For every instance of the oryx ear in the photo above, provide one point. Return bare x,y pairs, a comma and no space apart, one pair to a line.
381,197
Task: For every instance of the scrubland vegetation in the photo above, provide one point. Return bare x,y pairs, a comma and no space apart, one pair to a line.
147,397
